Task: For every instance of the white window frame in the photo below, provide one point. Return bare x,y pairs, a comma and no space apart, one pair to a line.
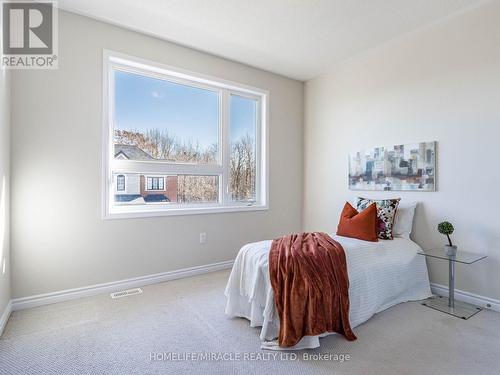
124,183
118,61
146,177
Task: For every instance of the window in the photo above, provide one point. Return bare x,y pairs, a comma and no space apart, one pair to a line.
120,182
242,135
187,143
156,183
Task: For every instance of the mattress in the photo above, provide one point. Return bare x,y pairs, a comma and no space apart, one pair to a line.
381,274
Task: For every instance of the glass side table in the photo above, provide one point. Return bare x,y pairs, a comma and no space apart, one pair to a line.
449,305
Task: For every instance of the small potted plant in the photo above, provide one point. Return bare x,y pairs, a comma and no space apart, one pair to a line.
447,229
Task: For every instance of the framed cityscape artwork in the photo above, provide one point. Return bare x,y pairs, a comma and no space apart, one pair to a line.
410,167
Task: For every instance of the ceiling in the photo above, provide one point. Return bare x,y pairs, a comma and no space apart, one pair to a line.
296,38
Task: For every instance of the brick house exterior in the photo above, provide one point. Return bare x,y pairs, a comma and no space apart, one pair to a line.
169,190
131,186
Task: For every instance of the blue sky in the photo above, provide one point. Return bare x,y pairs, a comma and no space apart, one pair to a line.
189,114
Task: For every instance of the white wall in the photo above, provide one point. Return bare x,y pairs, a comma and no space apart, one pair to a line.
443,84
58,238
4,189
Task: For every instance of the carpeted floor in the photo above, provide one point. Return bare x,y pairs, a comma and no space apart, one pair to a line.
132,335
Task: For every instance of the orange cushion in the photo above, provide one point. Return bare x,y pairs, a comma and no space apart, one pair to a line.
361,225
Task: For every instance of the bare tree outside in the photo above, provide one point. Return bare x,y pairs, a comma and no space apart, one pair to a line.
242,169
197,189
161,145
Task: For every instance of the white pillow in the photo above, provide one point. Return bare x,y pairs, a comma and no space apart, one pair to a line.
403,222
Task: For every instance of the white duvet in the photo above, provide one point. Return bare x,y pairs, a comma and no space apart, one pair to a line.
381,274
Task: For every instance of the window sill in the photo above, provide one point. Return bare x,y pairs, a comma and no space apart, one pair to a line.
134,214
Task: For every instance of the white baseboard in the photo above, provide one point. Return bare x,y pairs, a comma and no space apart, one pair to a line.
475,299
5,316
70,294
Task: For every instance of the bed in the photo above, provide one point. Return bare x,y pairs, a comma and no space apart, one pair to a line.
381,274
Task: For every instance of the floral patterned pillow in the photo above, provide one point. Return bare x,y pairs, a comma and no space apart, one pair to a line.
386,212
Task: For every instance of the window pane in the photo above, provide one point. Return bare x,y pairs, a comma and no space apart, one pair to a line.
120,182
243,125
160,120
167,190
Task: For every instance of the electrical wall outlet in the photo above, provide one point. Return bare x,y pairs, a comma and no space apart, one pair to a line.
203,237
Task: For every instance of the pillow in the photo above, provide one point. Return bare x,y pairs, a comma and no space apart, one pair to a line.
360,225
386,212
403,223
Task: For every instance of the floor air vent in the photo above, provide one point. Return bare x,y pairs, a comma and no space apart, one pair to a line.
126,293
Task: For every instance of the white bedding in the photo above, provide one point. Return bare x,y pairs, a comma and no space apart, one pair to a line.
381,274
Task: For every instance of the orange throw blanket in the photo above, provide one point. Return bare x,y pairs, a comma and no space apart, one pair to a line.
311,287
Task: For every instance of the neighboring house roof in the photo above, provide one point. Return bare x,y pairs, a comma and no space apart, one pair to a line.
131,152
